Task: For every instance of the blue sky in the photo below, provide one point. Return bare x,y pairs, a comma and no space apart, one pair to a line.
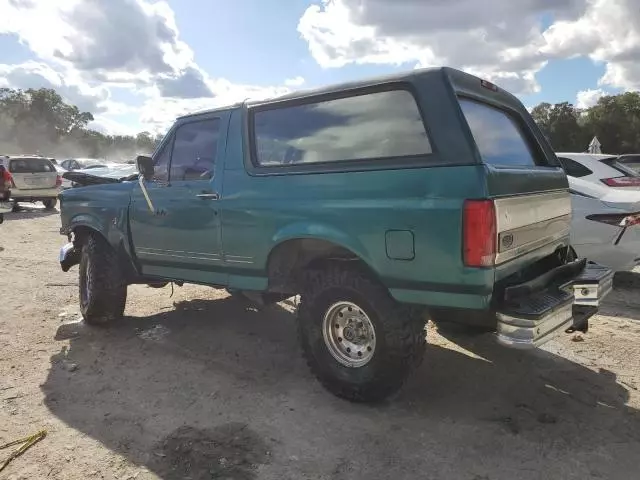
136,64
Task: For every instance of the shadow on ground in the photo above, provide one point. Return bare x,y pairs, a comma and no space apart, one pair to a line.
28,211
213,389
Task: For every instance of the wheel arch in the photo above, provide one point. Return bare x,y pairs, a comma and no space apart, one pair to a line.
302,248
81,230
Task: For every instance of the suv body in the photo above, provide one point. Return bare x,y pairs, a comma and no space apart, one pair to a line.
374,201
35,179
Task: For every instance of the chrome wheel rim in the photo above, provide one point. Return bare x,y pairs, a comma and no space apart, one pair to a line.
349,334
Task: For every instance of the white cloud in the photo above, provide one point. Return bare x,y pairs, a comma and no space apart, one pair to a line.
588,98
86,48
158,112
608,32
34,74
132,36
499,40
294,82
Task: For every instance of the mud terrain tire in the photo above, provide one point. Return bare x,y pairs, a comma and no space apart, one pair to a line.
103,289
399,334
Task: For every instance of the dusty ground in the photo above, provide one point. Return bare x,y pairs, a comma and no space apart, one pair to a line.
199,386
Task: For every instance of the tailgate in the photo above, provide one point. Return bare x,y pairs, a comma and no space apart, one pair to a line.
529,188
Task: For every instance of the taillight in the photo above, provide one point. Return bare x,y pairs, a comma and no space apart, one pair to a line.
479,233
58,181
621,181
616,219
7,180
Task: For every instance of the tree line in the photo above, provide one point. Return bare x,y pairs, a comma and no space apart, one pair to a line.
614,119
40,121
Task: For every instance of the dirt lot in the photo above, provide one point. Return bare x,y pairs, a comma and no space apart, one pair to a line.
200,386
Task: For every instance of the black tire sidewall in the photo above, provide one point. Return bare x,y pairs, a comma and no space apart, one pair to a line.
50,203
84,280
391,362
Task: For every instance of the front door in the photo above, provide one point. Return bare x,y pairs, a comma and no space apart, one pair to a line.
176,231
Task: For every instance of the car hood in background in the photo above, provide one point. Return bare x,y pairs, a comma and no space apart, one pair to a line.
97,176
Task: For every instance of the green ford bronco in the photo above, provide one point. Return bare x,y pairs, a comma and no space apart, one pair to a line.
431,192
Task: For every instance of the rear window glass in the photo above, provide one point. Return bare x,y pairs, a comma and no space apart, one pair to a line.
573,168
615,164
31,165
498,137
371,126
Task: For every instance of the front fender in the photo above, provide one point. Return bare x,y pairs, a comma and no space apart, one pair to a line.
85,220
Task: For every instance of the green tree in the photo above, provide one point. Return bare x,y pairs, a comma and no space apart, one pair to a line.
615,120
562,126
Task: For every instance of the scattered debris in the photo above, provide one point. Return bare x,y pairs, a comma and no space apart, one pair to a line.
156,333
230,450
25,444
577,337
69,366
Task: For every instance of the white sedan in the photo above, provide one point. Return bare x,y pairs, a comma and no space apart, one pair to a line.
605,225
600,169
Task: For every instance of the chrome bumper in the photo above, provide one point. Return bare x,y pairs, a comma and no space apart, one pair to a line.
531,321
69,256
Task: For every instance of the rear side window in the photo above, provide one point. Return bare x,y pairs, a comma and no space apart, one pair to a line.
371,126
573,168
498,137
623,169
31,165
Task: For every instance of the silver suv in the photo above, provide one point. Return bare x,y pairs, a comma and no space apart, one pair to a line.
35,179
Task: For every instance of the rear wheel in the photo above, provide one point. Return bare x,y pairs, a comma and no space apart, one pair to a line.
359,342
103,289
50,203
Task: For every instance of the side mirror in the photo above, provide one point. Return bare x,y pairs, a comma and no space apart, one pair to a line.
145,166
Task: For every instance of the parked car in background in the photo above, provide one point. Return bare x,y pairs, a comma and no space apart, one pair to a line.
631,160
61,171
34,179
605,225
71,164
600,169
5,192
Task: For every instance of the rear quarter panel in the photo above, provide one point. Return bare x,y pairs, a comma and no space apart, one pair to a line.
355,210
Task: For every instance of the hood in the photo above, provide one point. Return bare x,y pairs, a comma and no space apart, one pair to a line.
97,176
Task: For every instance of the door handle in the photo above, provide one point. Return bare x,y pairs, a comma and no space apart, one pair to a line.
208,196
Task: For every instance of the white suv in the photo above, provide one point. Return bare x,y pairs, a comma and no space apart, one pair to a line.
34,179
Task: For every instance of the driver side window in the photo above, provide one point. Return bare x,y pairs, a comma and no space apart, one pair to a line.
195,147
161,162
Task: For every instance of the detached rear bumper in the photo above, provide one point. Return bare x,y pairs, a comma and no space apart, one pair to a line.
529,318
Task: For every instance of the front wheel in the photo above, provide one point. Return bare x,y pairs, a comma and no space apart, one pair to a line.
359,342
103,289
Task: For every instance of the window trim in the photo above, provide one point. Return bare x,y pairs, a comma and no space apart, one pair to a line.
253,167
531,141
